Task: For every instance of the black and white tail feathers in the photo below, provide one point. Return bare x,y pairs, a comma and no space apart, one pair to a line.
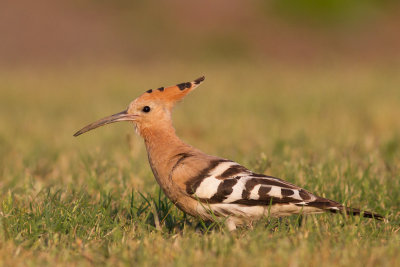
365,214
335,207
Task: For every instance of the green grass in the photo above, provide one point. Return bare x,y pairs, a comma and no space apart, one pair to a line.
93,199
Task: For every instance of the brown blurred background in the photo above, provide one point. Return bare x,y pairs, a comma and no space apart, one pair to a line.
148,32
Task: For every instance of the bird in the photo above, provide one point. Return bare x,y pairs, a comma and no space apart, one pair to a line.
206,186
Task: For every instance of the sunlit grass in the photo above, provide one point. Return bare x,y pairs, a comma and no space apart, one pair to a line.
93,199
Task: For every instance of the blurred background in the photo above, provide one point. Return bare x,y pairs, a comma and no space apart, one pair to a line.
300,32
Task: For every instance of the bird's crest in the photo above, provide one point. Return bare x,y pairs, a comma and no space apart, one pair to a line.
172,94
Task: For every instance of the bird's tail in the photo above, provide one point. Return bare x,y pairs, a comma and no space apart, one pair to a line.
335,207
357,212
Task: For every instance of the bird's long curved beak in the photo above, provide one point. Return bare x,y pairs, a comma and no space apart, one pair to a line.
121,116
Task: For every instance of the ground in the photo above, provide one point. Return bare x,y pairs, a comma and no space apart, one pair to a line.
93,200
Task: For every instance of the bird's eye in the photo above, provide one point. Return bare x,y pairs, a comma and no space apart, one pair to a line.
146,109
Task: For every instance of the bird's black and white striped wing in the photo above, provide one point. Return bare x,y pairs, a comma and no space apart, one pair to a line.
227,182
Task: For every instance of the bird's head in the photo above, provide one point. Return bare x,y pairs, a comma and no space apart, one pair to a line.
149,110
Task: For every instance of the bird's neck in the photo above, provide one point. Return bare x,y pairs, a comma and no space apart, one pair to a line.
163,149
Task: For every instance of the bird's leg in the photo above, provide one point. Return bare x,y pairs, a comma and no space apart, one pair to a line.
230,224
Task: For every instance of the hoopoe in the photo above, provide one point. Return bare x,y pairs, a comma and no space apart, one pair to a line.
206,186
